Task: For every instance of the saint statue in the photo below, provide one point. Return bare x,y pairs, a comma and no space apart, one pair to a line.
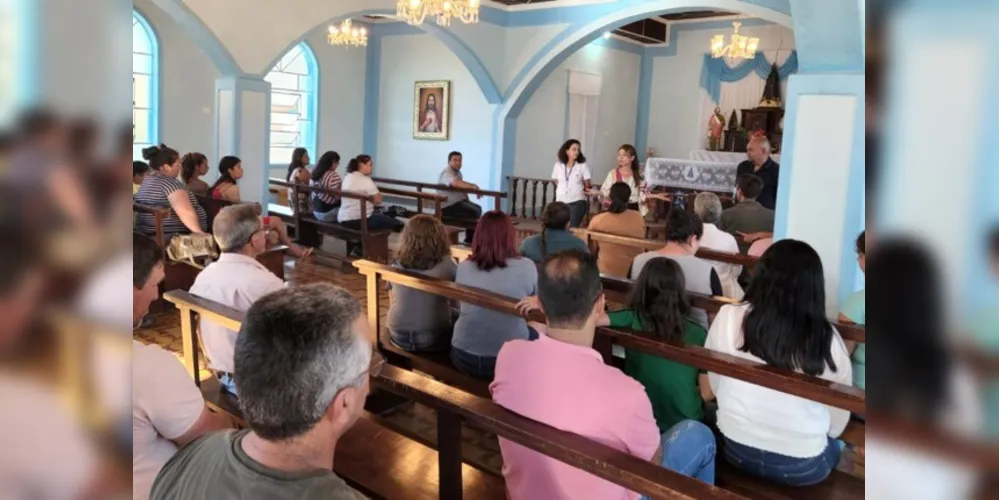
771,91
715,126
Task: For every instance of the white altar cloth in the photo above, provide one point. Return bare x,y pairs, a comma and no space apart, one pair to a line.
722,156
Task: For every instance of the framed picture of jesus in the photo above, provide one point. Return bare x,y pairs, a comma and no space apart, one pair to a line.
432,110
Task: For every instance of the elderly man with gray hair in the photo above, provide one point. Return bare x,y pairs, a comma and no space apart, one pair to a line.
304,358
237,280
763,166
708,208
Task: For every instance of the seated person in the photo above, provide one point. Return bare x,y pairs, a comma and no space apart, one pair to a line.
683,235
854,310
615,259
237,280
161,189
358,181
326,205
193,166
303,381
458,205
168,411
708,208
226,188
659,306
760,164
555,235
561,381
496,266
419,321
781,437
139,171
747,216
298,173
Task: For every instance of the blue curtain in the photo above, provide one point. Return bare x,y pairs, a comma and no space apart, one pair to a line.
715,71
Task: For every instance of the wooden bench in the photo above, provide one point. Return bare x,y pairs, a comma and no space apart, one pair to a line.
376,460
595,238
386,465
497,196
307,227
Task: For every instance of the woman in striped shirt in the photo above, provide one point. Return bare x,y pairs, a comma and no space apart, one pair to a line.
326,205
161,189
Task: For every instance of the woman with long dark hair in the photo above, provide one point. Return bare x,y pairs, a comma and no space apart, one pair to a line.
192,167
325,205
226,188
628,171
298,173
782,323
161,189
572,181
619,219
659,306
358,180
555,235
496,266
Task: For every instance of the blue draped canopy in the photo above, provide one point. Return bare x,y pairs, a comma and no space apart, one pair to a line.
716,70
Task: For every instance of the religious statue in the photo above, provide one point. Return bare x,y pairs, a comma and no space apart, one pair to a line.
771,91
715,126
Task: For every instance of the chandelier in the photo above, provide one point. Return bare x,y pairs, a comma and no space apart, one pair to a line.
347,35
740,46
415,11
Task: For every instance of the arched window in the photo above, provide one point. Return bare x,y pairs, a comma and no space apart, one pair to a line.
145,83
15,74
294,83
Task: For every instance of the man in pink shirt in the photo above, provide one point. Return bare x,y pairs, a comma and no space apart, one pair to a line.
561,381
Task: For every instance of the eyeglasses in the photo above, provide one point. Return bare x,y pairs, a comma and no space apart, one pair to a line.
374,367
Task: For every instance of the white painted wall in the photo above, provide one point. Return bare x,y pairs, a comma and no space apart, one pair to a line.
541,128
187,87
676,90
405,60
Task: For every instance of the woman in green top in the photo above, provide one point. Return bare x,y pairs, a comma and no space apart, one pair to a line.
659,306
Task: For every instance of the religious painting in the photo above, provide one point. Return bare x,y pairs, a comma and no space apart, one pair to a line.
432,110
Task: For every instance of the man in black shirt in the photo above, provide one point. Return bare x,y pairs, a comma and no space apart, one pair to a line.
761,165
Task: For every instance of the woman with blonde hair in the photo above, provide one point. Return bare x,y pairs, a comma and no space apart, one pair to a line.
418,321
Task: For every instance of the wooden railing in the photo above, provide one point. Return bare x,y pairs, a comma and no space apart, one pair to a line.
497,196
524,188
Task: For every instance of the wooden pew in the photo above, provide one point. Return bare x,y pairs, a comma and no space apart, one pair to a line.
420,186
361,453
307,227
594,238
376,460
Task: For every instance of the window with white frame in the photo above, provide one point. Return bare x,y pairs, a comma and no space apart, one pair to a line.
145,79
294,82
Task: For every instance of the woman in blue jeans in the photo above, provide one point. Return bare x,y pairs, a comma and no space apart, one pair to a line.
782,323
358,181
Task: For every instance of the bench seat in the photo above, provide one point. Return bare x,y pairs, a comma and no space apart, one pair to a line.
437,365
838,486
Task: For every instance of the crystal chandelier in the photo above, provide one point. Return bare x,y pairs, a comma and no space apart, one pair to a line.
415,11
740,46
347,35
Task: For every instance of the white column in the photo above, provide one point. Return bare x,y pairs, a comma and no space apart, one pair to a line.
242,110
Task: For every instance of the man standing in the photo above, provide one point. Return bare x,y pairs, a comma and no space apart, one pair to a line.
748,215
303,359
458,204
237,280
764,167
168,411
561,381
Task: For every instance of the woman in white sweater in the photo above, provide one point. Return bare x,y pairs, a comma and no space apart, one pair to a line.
784,438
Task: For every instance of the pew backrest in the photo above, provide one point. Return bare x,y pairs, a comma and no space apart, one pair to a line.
158,214
645,245
497,196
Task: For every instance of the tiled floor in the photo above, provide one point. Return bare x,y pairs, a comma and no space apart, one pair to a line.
480,448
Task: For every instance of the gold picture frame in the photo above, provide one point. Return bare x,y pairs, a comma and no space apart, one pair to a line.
432,121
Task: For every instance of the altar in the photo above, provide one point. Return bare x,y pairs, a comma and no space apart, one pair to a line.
673,173
723,156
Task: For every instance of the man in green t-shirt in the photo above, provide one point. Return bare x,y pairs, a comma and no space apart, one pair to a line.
854,310
303,359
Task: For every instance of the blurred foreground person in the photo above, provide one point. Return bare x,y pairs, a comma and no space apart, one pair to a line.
303,360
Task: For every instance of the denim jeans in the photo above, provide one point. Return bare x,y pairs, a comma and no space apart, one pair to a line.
577,210
421,341
464,209
327,216
782,469
376,222
228,382
480,367
689,449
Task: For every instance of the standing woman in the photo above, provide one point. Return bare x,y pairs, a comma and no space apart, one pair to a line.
192,167
326,205
358,181
225,188
629,172
298,173
160,188
572,181
782,323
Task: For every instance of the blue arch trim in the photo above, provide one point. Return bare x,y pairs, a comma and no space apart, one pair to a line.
202,36
154,80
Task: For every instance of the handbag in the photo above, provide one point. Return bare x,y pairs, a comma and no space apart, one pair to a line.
198,250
